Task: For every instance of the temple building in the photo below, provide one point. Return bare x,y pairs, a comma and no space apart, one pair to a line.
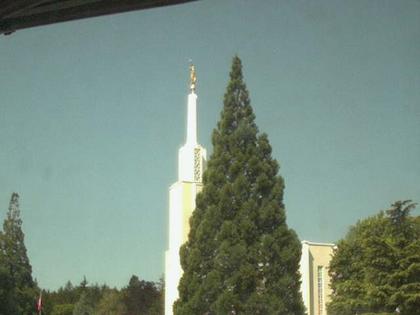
191,164
314,266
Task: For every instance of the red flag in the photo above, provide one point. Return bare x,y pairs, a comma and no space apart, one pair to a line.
39,304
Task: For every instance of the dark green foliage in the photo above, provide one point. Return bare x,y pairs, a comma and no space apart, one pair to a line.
67,295
84,306
89,297
111,303
139,297
63,309
240,256
6,286
18,291
158,305
83,284
376,267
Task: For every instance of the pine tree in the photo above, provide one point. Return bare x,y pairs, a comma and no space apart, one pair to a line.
14,264
6,285
240,257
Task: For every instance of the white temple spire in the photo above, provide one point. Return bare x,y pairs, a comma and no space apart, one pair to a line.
191,164
190,161
192,119
192,109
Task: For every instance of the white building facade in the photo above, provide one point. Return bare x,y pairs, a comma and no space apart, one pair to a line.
314,267
191,164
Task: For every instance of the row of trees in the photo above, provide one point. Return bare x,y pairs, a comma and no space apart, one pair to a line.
139,297
19,292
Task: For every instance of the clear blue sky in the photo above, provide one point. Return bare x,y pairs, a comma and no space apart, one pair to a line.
92,114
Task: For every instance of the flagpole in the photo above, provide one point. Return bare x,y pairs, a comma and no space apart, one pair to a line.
39,306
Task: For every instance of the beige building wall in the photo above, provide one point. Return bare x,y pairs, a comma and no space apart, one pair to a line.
181,206
314,267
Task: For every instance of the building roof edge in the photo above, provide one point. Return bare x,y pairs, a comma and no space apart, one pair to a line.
317,243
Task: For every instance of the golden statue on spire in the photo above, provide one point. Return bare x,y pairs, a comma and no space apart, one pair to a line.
193,78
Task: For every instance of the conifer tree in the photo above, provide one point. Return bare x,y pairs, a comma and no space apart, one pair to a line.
240,257
6,285
15,266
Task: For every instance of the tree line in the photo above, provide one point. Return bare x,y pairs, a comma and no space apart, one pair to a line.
139,297
19,293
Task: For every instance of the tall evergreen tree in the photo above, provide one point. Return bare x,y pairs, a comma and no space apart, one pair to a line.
240,257
15,266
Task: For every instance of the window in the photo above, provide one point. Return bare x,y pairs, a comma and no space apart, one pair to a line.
320,290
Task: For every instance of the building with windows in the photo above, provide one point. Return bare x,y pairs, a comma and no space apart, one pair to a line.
314,266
